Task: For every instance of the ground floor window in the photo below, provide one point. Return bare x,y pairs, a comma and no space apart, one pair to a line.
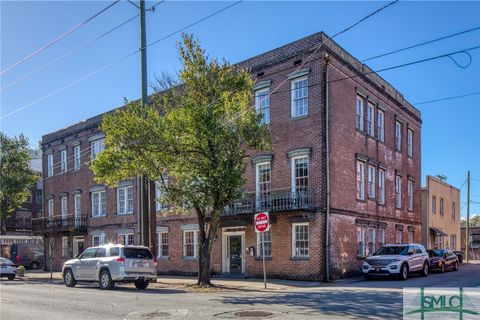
381,237
453,242
162,240
64,247
300,239
125,239
98,239
266,238
439,242
398,236
190,243
411,236
361,241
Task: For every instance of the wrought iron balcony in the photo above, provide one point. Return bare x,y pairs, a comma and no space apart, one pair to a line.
59,224
19,224
277,200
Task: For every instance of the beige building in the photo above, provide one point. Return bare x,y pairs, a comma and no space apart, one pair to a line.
440,215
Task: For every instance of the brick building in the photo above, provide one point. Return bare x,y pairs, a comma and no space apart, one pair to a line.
366,157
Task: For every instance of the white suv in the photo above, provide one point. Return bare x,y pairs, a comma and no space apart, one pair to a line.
398,260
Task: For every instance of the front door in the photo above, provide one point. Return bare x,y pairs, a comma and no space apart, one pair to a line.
234,252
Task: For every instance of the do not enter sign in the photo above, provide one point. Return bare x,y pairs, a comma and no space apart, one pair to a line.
262,222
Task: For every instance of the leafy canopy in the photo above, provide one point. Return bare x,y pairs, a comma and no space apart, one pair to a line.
198,131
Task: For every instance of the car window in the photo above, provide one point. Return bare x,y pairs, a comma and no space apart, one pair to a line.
114,251
88,253
100,253
3,260
137,253
396,250
418,250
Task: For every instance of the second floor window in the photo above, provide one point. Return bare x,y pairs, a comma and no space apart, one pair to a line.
76,157
262,104
434,204
398,136
371,181
97,146
63,161
262,178
64,207
77,205
381,125
410,195
50,165
360,180
51,212
371,120
454,214
299,173
398,192
381,186
99,203
299,97
410,142
124,200
442,212
359,113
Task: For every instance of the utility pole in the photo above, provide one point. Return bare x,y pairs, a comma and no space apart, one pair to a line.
467,226
143,195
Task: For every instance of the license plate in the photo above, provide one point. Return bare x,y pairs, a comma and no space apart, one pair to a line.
140,265
377,269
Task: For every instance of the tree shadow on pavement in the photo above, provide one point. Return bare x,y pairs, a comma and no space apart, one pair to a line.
358,304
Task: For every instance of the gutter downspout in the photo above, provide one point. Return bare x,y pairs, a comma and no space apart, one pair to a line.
327,165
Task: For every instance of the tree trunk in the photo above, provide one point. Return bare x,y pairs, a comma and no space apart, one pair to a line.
3,222
204,275
207,238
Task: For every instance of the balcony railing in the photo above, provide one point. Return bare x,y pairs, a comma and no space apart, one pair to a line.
277,200
59,224
19,224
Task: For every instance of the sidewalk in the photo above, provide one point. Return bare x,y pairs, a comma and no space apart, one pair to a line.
188,283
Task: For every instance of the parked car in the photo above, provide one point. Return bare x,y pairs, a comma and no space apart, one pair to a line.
108,264
397,260
459,256
7,269
443,259
29,255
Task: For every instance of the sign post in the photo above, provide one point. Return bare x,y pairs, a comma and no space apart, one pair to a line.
262,224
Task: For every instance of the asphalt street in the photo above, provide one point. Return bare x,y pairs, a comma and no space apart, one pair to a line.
354,299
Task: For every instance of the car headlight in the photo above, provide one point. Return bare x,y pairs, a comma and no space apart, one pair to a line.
365,266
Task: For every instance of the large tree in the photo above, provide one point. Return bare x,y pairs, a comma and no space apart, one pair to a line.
16,176
198,132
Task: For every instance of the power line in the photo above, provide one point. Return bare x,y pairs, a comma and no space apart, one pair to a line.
76,49
421,44
463,184
448,98
60,37
113,63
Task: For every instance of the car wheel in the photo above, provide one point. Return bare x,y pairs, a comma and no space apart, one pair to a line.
455,267
69,279
141,284
425,269
442,268
105,280
11,277
404,272
34,265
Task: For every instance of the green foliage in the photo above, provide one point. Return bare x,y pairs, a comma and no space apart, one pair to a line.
475,221
16,177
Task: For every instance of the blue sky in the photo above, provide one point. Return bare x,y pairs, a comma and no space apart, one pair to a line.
450,132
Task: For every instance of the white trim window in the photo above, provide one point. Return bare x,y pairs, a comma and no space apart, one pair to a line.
64,247
64,209
410,194
124,200
160,204
299,97
126,239
63,161
398,191
410,142
51,209
381,237
99,203
381,186
359,113
361,241
300,170
371,120
454,213
300,240
453,241
371,241
411,236
98,239
50,164
442,207
398,136
262,104
190,243
360,180
398,236
262,179
371,181
162,242
381,125
97,146
264,237
76,158
77,207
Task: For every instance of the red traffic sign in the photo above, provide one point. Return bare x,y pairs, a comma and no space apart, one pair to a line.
262,222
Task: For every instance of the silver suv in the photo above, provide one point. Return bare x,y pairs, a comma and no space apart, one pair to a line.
397,259
107,264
